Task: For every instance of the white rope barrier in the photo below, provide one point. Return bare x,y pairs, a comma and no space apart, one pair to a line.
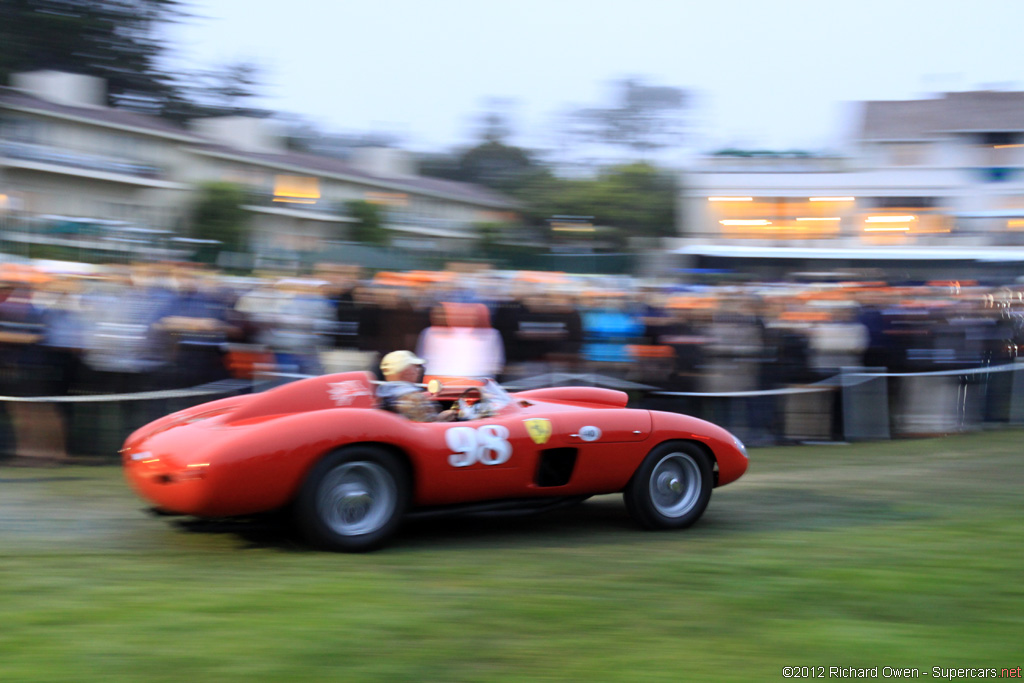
204,390
844,379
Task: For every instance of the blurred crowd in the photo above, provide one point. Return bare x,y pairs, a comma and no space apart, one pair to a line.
124,329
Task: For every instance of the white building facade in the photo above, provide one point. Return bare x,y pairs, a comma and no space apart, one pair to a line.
937,179
65,155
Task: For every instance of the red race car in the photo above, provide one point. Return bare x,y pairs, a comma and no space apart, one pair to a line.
352,470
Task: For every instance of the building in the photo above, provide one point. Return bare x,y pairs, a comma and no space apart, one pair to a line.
67,159
936,181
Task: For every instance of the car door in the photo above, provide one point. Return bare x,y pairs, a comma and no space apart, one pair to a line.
481,459
605,445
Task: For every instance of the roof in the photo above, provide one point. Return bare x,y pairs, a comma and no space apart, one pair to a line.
982,111
14,98
465,192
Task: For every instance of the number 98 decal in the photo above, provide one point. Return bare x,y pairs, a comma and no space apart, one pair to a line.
487,444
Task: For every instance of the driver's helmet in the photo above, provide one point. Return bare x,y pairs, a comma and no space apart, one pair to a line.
397,361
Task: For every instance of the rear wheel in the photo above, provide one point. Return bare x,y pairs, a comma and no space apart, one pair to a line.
671,488
353,499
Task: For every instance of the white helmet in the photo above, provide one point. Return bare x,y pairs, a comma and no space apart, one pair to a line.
397,361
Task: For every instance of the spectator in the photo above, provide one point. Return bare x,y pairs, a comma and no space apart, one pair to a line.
461,342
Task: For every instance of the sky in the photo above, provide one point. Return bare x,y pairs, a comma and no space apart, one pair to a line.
772,74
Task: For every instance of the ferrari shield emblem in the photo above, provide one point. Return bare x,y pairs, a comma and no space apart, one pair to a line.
539,429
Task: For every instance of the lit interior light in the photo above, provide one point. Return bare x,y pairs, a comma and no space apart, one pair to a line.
745,222
388,198
730,199
831,199
889,228
1015,223
829,219
890,219
1007,146
292,189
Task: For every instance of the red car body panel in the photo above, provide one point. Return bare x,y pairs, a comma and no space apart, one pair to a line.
250,454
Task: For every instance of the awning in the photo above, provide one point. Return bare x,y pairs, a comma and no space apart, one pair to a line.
996,213
1004,254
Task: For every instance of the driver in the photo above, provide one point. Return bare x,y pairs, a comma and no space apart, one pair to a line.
403,392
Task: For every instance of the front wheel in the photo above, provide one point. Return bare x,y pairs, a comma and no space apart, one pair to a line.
671,488
353,499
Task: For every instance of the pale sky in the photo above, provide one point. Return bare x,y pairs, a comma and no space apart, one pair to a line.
770,74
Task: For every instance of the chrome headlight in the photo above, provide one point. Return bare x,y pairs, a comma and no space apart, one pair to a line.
739,446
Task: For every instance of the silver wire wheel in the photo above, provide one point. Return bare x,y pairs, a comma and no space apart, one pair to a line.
353,499
675,484
672,487
357,498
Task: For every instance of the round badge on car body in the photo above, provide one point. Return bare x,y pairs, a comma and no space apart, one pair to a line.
590,433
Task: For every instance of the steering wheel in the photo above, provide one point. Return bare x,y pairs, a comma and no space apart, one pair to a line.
473,405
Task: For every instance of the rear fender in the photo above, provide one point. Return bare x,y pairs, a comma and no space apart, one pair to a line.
201,411
269,460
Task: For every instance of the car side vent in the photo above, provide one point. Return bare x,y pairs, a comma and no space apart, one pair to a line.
556,466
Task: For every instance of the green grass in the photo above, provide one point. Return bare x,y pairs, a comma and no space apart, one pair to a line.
903,553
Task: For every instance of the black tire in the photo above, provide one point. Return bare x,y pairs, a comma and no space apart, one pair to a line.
671,488
353,499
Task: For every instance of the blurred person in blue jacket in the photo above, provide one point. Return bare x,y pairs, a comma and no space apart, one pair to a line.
199,325
610,327
294,320
125,351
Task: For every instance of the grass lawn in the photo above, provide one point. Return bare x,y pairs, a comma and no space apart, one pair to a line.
900,554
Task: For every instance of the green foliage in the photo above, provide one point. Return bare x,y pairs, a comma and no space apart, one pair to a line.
637,199
490,245
633,200
117,40
369,229
492,164
218,215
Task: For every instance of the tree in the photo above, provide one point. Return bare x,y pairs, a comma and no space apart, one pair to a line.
492,164
218,215
643,118
223,91
492,161
369,229
638,200
116,40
